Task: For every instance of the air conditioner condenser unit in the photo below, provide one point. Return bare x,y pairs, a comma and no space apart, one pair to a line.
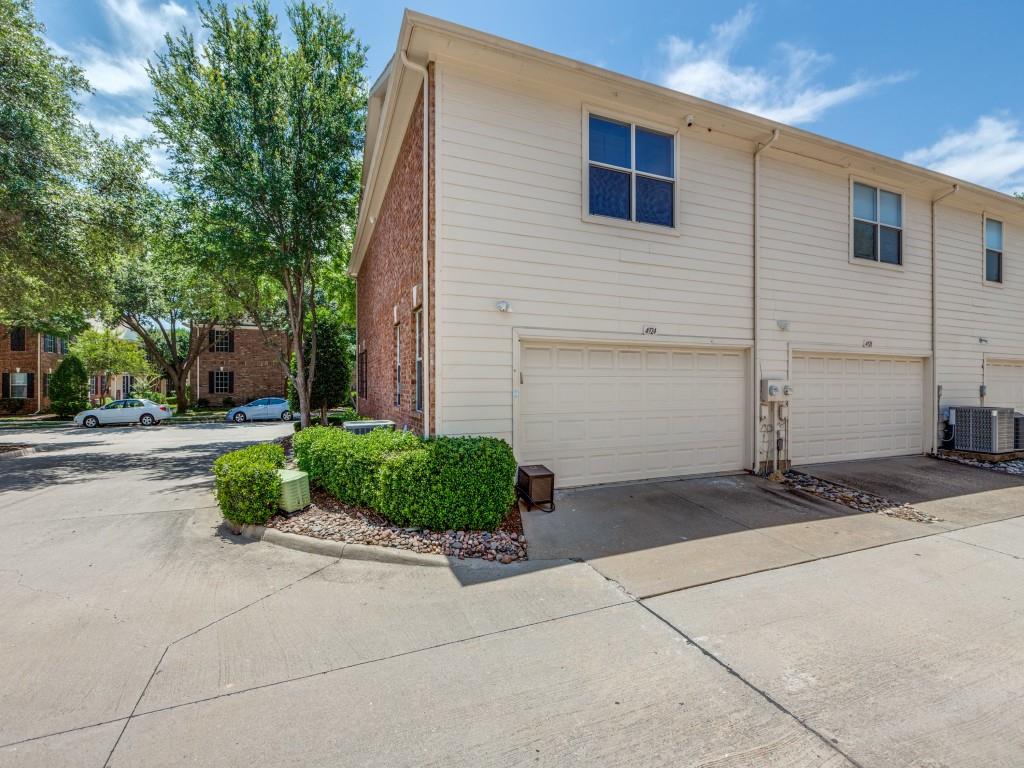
983,430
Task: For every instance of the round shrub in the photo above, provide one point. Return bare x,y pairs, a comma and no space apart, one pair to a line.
69,387
247,483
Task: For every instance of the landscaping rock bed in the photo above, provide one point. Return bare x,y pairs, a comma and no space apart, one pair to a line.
327,518
1010,467
854,499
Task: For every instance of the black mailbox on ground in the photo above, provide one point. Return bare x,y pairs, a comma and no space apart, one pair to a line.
535,484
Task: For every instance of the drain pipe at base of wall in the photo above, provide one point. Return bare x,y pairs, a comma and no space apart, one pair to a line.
426,234
936,397
754,362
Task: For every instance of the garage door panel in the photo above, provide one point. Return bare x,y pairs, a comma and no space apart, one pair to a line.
630,413
850,407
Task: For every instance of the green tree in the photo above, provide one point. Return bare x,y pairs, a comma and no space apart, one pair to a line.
103,352
66,196
333,367
69,387
265,140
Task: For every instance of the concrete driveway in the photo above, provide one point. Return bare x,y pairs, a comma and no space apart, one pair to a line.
137,633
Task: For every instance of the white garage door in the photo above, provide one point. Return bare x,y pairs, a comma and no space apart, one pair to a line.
855,407
600,414
1005,383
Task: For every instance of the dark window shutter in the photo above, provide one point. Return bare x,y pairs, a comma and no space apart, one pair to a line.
213,348
231,382
6,393
18,339
231,341
31,386
211,381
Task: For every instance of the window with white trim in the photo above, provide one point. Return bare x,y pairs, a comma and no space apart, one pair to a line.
877,224
418,387
398,365
993,251
632,172
221,341
19,386
221,382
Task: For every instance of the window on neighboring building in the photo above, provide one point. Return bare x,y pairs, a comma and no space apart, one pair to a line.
993,251
17,339
418,384
877,224
222,382
92,386
398,365
19,386
361,374
50,343
63,346
223,341
46,384
631,174
127,385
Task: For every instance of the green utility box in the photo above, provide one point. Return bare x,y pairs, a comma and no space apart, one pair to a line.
294,490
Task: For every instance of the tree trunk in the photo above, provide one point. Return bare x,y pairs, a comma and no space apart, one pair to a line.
181,392
323,415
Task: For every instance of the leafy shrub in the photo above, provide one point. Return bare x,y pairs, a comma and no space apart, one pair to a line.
248,486
336,419
203,402
69,387
228,402
346,465
450,483
10,405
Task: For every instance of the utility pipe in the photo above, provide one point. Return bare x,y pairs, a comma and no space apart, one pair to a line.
426,234
754,361
935,399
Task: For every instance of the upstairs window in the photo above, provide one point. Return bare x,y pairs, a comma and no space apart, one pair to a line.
222,341
361,374
631,173
17,339
877,224
398,365
50,343
993,251
418,373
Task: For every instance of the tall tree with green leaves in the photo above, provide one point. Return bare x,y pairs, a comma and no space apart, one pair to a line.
66,196
265,140
104,352
69,387
333,376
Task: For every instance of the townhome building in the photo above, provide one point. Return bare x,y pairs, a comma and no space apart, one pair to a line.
238,364
628,282
27,360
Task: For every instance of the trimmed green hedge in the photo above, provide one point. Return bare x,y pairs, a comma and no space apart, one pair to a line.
334,419
248,486
443,483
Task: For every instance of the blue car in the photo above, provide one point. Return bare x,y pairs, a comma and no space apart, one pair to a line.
264,409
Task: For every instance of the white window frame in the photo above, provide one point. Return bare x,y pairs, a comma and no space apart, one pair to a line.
398,365
418,371
23,375
634,122
985,218
50,343
879,188
222,382
127,385
221,341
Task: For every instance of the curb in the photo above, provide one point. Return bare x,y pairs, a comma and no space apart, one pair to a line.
20,452
342,550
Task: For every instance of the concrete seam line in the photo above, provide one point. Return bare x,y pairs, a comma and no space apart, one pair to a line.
62,733
380,659
982,546
764,694
167,647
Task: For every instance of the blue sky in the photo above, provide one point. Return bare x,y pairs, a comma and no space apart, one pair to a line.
935,83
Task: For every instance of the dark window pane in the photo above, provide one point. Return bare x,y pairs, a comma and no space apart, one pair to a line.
993,266
891,250
609,193
864,241
654,201
654,153
609,142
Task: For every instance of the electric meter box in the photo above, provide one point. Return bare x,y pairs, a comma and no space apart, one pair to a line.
775,391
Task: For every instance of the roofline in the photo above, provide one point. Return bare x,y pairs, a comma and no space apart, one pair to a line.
413,20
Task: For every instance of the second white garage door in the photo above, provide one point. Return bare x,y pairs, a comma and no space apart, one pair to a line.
855,407
600,414
1004,381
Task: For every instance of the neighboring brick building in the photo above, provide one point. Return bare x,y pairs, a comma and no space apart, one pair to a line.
27,359
390,343
238,365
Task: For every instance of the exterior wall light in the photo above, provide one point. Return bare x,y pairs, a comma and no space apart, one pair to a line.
503,306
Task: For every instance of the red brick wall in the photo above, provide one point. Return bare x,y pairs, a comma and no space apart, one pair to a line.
257,370
28,362
391,267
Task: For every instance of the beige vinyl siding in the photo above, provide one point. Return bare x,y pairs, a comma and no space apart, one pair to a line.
970,309
511,228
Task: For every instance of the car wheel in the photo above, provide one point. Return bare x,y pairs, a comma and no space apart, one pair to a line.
146,420
239,417
91,421
286,416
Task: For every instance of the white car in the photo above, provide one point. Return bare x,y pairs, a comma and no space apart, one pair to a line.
266,408
130,411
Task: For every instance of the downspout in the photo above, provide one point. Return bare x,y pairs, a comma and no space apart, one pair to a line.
935,398
755,383
425,236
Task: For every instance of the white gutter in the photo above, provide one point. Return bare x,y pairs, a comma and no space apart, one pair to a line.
935,400
425,237
755,383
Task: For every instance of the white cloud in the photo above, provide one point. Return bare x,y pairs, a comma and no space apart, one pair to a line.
789,95
991,152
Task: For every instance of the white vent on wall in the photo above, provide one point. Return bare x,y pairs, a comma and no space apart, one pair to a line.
394,314
415,296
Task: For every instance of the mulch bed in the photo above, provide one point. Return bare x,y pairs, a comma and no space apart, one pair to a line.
855,499
8,447
328,518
